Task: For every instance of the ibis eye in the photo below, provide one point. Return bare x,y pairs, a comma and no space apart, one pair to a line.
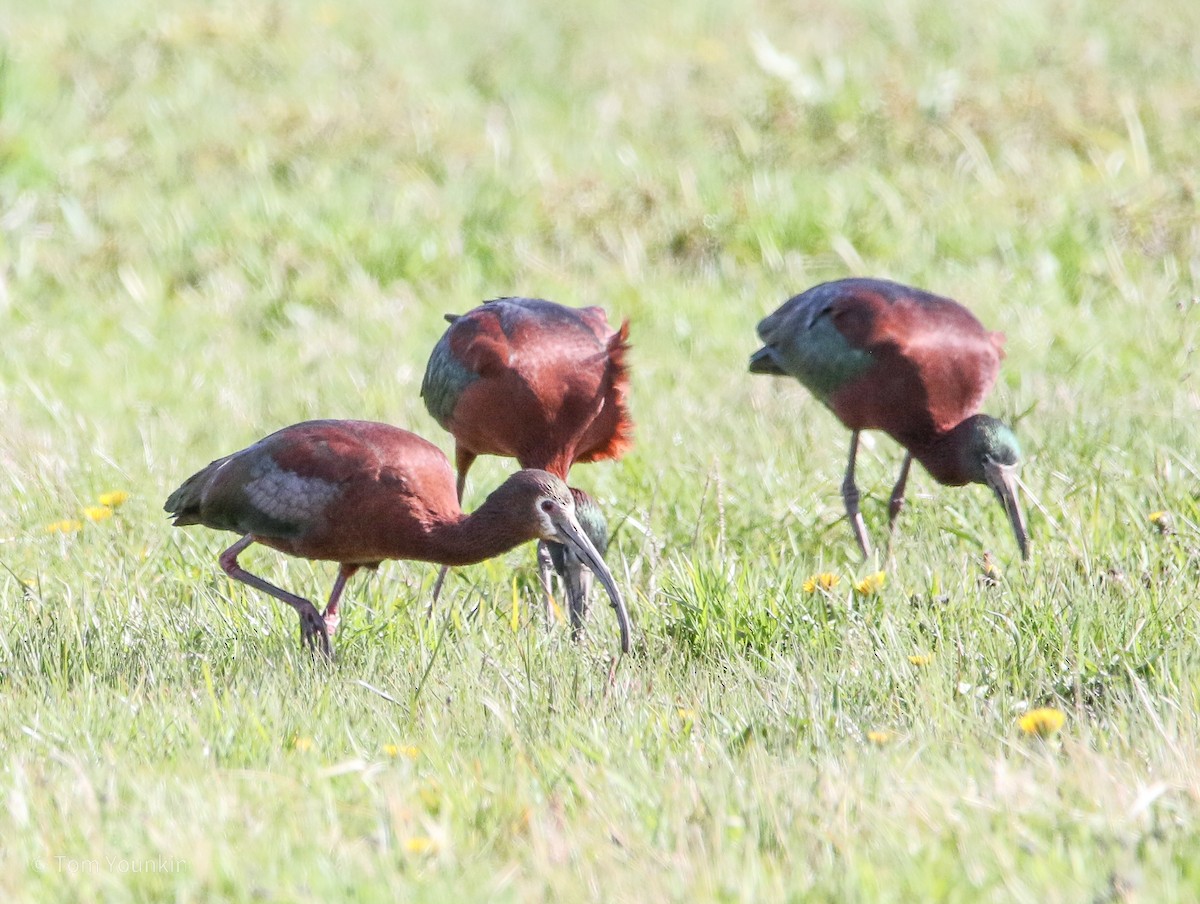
547,505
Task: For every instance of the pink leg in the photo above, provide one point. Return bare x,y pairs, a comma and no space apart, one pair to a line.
345,572
312,626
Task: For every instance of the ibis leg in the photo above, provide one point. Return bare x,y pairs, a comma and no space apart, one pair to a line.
545,570
345,572
312,626
437,589
463,460
896,503
578,579
850,498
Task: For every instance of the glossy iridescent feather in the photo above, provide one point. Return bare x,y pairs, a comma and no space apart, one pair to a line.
883,356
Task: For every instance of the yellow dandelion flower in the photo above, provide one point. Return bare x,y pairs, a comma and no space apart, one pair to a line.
991,574
66,526
688,717
302,744
879,737
1042,722
408,750
97,512
871,584
920,661
112,498
826,580
1163,522
419,844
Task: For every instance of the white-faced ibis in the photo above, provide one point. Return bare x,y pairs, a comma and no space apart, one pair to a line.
883,356
542,383
357,493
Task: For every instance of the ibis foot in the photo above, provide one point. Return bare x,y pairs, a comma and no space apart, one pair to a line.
313,633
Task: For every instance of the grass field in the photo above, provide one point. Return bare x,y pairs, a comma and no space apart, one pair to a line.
220,218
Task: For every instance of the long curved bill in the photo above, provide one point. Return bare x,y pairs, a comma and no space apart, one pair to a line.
571,535
1003,480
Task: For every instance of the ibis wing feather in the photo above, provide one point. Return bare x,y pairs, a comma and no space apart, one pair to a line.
883,355
184,504
611,432
801,339
532,380
930,348
299,487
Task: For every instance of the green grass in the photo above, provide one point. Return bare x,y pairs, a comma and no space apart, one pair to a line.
217,219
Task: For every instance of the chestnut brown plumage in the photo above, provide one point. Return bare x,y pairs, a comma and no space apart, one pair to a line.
358,493
545,384
883,356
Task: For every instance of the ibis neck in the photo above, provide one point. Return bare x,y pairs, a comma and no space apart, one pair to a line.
557,462
488,531
944,457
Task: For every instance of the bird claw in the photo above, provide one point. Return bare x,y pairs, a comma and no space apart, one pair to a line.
314,633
